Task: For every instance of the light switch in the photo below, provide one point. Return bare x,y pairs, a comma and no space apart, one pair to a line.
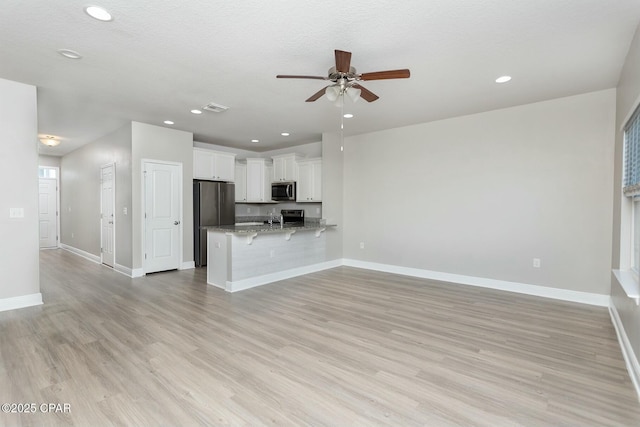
124,210
16,212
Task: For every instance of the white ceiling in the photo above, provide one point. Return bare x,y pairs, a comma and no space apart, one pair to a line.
159,59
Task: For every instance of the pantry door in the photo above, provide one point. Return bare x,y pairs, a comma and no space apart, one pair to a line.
162,216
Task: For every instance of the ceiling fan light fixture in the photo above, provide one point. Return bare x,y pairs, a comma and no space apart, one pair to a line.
332,93
354,94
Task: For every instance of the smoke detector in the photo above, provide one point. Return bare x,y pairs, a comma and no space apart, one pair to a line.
216,108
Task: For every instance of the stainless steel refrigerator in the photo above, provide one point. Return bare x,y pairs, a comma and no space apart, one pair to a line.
214,203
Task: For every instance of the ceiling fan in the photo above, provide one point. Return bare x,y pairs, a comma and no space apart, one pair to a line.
345,79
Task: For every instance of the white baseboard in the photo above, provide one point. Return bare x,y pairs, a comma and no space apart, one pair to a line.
240,285
630,359
188,265
124,270
521,288
80,252
20,302
137,272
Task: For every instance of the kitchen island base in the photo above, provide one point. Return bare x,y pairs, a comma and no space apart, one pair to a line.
238,261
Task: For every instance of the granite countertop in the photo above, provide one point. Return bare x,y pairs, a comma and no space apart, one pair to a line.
266,228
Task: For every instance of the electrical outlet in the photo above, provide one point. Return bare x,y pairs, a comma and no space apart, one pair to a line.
124,210
536,262
72,236
272,253
248,210
361,245
318,211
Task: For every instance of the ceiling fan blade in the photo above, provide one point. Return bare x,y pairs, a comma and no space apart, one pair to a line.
366,94
317,95
283,76
383,75
343,61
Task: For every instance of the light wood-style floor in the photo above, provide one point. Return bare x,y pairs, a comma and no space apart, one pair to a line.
336,348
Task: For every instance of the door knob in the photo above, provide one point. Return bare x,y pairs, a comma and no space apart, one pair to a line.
176,222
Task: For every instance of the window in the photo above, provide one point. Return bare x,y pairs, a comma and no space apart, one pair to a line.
45,172
631,182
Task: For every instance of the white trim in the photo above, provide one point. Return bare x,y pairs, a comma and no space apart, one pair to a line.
240,285
80,252
629,283
630,359
521,288
634,107
137,272
188,265
122,269
113,204
20,302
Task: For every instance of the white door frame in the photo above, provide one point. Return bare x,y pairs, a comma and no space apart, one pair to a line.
143,210
113,203
57,169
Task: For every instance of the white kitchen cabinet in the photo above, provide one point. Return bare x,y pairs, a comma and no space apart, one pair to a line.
241,182
258,181
213,165
309,181
285,167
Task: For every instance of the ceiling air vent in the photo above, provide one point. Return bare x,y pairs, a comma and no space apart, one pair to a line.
216,108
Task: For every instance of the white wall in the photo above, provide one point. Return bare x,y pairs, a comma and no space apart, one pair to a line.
482,195
333,193
51,161
20,282
160,143
628,98
80,195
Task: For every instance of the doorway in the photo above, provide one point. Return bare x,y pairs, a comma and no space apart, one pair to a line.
162,209
48,201
107,217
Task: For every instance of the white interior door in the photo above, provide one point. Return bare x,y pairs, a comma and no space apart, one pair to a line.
48,206
107,217
163,216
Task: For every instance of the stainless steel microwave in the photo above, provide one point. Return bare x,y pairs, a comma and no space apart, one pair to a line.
283,191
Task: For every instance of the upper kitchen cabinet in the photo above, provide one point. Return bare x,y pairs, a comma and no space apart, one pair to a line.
213,165
309,181
241,182
258,181
285,167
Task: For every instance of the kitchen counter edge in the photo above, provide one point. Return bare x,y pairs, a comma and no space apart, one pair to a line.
243,229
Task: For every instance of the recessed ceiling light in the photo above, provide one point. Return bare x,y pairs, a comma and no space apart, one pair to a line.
196,111
255,140
68,53
285,134
98,13
348,116
503,79
168,122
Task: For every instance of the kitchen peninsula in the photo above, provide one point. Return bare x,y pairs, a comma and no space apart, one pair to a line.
244,256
